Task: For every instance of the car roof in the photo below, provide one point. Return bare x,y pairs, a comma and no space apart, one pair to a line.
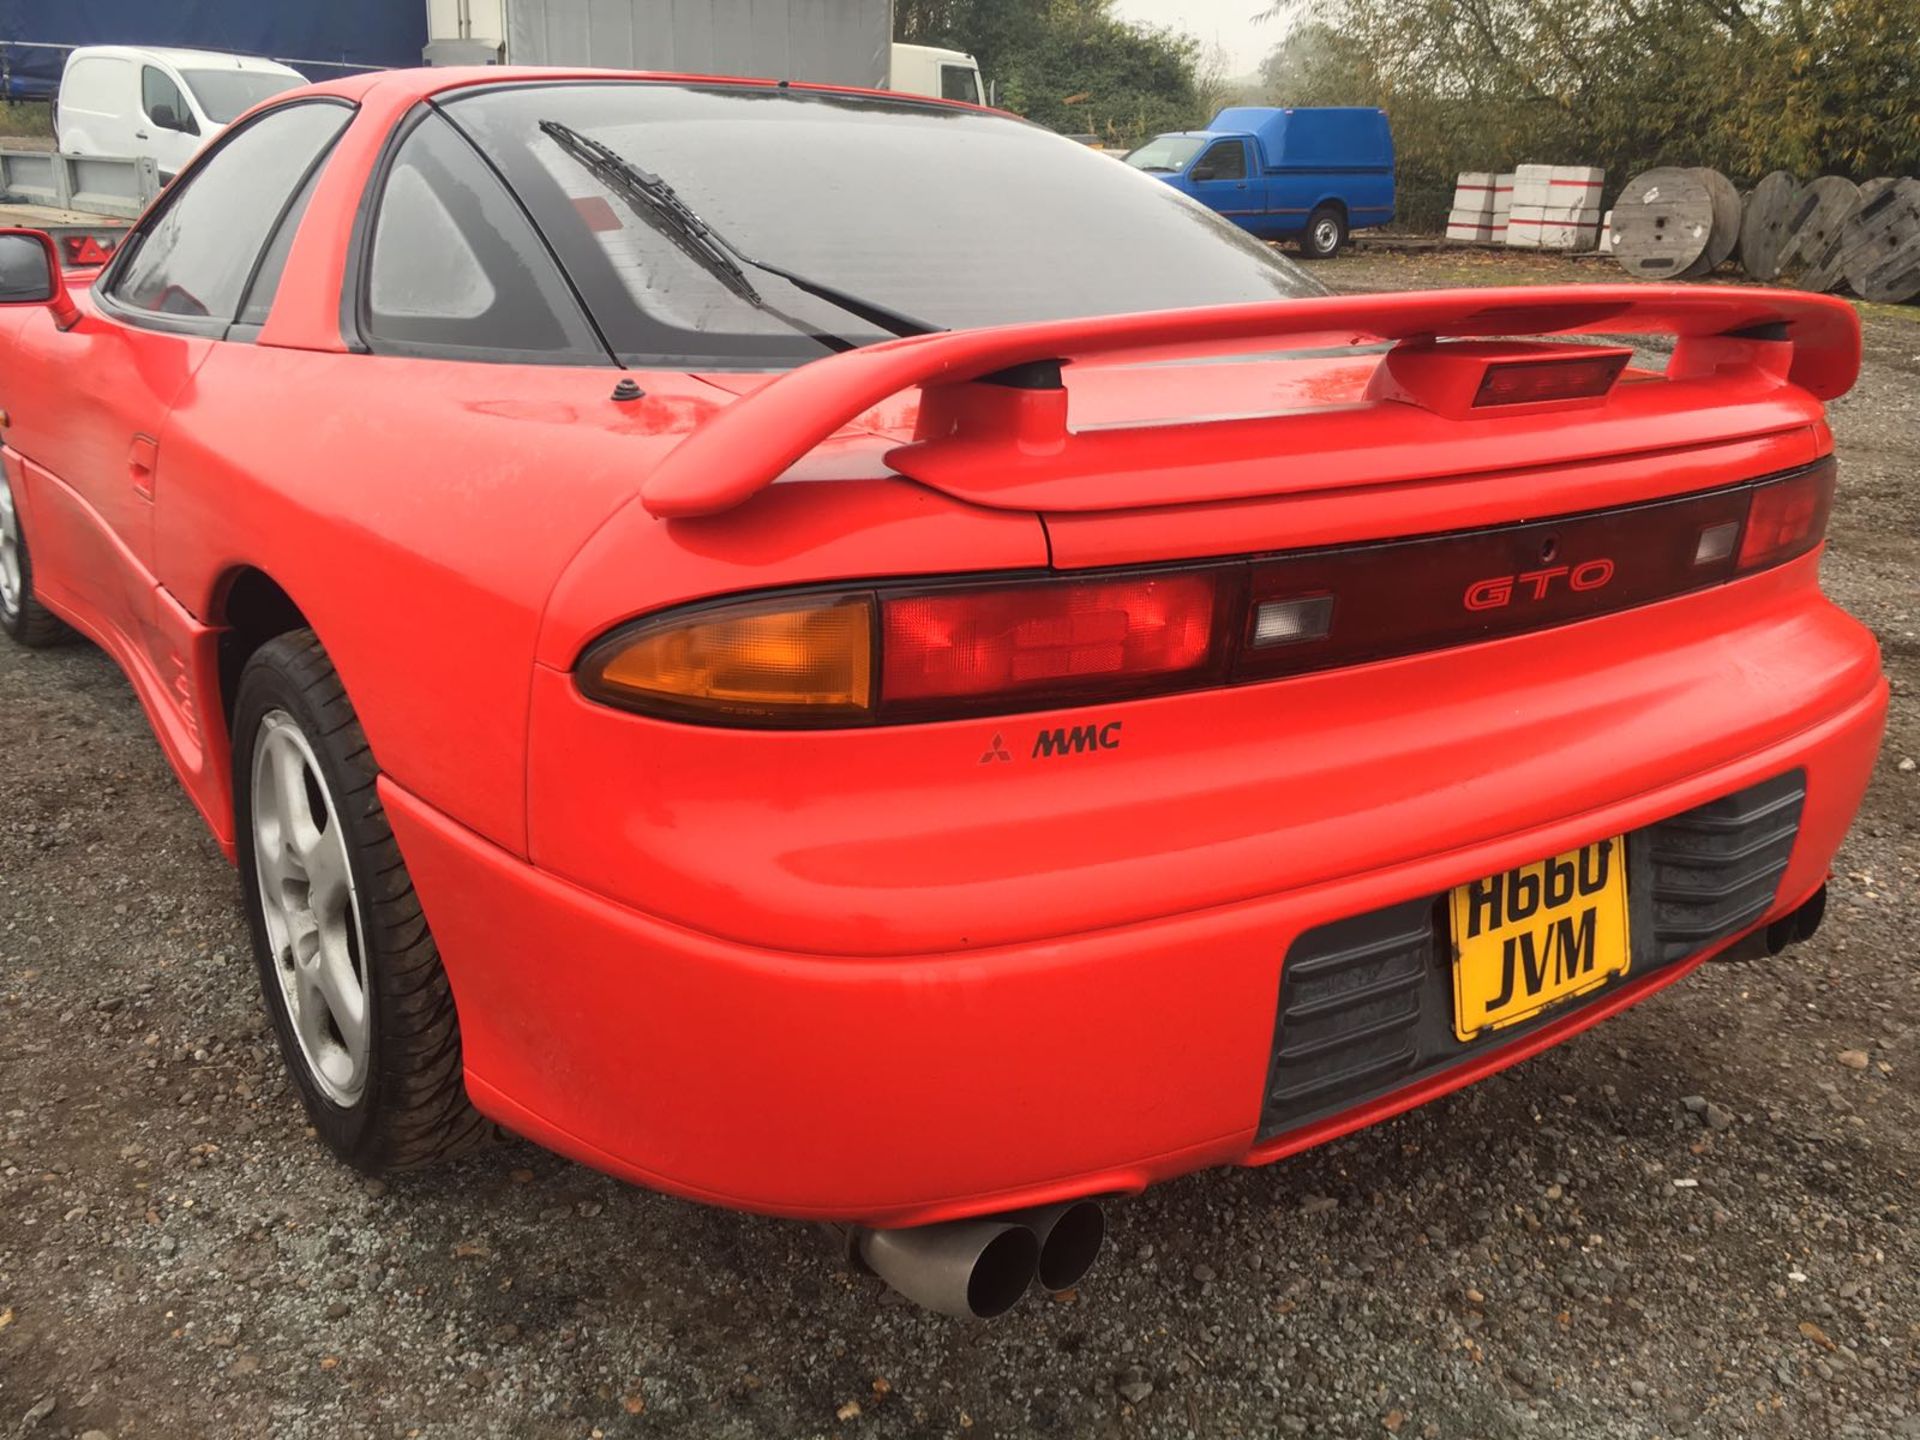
423,82
185,59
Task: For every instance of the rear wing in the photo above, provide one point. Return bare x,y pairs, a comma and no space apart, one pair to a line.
751,443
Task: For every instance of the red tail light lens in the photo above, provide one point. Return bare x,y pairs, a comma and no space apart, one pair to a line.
1057,637
1528,382
1788,517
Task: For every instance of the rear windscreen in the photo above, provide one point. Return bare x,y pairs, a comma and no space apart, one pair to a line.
955,218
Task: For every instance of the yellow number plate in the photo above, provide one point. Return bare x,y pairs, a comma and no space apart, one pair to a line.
1535,936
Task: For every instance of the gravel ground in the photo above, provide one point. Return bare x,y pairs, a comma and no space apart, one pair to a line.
1697,1220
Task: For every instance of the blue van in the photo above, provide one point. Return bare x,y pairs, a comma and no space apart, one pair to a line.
1312,174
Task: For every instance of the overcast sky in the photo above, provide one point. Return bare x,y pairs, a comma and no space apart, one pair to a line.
1228,21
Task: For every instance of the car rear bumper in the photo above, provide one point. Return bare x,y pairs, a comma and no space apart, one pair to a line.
905,1090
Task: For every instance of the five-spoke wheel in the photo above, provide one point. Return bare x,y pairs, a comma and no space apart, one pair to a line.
311,913
21,614
349,969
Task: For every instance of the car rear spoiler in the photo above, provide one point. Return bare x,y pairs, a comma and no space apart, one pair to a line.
751,443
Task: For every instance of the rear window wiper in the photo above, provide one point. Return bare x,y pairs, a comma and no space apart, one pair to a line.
660,205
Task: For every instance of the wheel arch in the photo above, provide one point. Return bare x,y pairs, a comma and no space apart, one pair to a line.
249,607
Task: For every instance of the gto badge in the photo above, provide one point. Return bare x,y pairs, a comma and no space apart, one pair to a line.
1502,590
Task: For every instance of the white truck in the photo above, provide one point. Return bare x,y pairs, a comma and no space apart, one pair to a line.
836,42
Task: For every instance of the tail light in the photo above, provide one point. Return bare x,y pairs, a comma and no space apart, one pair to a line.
938,650
791,659
86,250
1050,637
1788,517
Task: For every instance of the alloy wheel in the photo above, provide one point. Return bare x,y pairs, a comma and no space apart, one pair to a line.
11,585
312,912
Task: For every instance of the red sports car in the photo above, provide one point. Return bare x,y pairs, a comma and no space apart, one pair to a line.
842,655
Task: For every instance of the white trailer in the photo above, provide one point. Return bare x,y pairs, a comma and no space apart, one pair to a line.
833,42
837,42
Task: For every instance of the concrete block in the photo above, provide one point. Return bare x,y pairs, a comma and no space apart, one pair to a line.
1474,193
1541,227
1563,186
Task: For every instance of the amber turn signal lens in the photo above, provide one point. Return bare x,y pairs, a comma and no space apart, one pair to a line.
777,658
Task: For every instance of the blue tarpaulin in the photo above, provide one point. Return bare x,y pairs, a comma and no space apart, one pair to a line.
322,39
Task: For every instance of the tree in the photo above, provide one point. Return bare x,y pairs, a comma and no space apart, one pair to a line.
1745,86
1314,65
1069,64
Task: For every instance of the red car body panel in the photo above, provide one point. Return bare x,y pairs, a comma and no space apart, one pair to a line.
915,1088
879,973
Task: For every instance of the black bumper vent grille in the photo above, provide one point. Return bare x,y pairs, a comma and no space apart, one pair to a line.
1350,1008
1366,1004
1716,869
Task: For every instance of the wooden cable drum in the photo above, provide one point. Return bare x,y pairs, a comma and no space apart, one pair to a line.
1765,227
1812,261
1880,248
1724,238
1661,223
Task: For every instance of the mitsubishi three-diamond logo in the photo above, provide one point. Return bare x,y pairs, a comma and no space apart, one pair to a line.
997,751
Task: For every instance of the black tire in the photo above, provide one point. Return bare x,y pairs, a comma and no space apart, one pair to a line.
23,617
1326,233
411,1108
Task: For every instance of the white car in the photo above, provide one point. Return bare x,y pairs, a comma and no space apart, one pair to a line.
124,100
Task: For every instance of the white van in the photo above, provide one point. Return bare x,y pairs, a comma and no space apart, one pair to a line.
130,100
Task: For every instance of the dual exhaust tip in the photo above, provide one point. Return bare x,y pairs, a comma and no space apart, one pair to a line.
981,1268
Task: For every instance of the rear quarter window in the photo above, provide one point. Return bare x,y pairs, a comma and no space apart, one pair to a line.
456,269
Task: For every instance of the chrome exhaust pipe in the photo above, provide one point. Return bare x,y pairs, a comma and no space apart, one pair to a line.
970,1268
1070,1235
